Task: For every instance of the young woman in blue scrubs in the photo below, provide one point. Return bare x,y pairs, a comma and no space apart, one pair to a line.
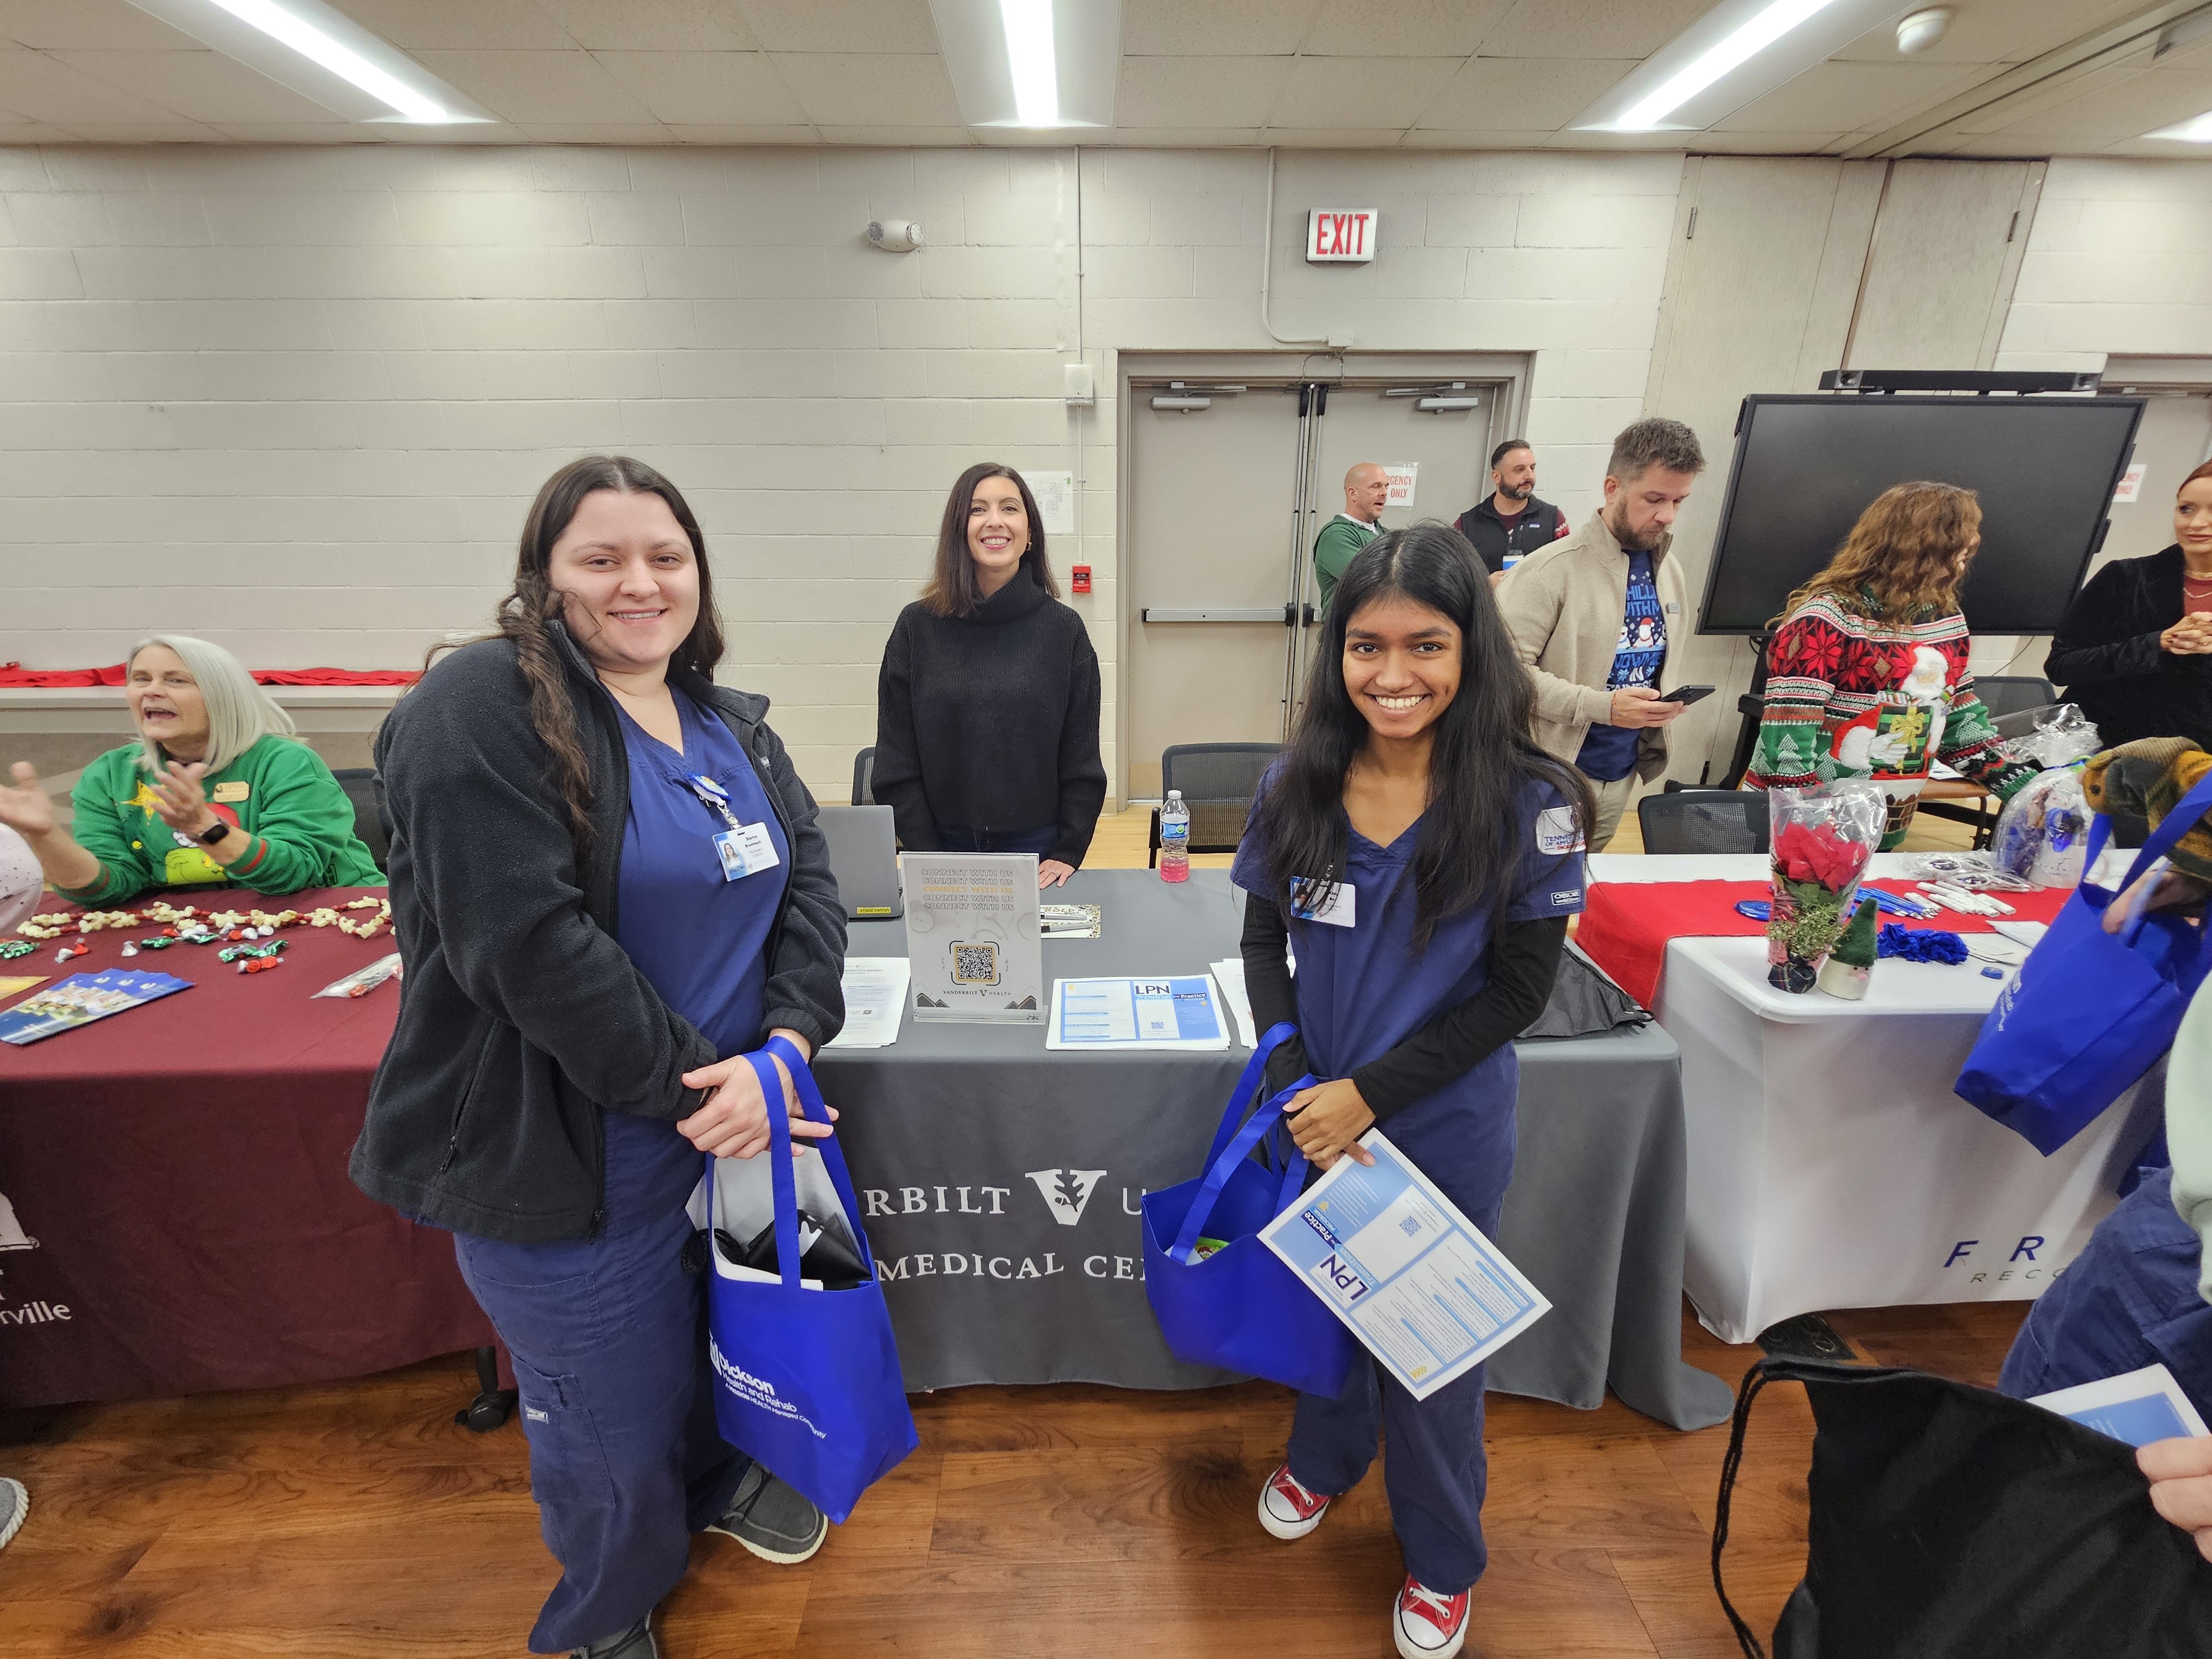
609,887
1439,854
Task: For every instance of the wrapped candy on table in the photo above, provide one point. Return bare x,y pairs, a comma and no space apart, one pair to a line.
1822,840
2042,833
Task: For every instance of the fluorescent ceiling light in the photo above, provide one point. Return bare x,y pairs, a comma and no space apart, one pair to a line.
1036,64
1732,53
336,57
2197,130
324,55
1029,61
1736,53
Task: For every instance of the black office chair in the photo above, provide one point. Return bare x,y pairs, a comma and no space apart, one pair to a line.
372,822
863,777
2003,695
1705,821
1217,782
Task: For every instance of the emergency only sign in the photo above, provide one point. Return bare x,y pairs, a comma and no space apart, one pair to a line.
1340,236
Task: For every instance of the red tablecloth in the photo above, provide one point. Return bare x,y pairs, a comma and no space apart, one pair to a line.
182,1169
1625,925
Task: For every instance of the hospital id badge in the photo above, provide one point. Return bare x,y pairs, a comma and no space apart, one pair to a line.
745,851
1338,902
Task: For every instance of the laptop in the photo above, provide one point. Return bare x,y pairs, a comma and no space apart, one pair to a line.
864,858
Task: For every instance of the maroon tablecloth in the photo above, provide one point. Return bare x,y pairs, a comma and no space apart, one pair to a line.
182,1169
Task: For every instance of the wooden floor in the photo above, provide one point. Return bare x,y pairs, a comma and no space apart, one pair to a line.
357,1519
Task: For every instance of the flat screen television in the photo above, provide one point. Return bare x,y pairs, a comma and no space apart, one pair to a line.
1806,465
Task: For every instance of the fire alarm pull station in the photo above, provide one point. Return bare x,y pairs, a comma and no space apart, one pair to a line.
1083,578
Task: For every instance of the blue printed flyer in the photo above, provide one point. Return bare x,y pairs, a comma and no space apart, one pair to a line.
81,999
1411,1277
2137,1407
1176,1012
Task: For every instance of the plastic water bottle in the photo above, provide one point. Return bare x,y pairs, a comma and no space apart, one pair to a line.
1175,838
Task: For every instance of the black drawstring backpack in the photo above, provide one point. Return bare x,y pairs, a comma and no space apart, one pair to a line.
1952,1522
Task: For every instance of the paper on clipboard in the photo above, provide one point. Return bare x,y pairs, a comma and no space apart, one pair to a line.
1175,1011
2137,1407
1410,1276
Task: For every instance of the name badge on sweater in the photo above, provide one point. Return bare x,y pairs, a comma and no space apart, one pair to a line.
745,851
1331,904
231,791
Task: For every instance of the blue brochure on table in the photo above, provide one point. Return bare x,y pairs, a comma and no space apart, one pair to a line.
2137,1406
80,999
1396,1262
1182,1012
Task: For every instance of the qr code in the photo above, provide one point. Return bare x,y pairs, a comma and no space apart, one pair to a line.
975,964
1410,1226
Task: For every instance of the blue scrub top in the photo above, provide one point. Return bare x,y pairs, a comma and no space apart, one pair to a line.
1364,989
701,942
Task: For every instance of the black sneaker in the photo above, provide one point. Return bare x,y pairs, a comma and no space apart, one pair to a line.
772,1520
635,1643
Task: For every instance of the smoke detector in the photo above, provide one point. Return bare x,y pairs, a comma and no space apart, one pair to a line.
895,235
1923,29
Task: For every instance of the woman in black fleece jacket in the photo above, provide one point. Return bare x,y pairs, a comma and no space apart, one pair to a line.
2135,649
987,707
584,976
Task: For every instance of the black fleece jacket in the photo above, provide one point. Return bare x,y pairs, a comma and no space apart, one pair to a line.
2107,655
990,721
521,1019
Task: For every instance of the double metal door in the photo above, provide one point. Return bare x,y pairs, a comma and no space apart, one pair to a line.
1229,484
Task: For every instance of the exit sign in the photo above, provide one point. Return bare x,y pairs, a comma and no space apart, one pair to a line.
1340,236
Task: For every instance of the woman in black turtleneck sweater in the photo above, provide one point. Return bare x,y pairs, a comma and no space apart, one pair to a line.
987,708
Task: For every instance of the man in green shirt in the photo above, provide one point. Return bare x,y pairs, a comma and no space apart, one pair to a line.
1366,487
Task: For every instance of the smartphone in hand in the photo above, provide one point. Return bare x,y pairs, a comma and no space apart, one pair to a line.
1685,694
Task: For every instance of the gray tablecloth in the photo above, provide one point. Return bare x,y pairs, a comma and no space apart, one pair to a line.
999,1183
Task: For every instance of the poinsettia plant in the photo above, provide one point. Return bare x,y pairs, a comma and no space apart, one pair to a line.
1822,839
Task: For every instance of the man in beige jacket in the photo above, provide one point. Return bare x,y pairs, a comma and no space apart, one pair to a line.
1595,618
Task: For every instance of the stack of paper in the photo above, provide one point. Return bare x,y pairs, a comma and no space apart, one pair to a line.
875,999
1230,972
1181,1013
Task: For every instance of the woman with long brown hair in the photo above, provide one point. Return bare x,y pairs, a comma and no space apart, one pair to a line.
609,887
1866,674
986,706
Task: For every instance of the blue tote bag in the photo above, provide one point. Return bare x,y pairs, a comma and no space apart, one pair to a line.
1241,1309
807,1382
2089,1012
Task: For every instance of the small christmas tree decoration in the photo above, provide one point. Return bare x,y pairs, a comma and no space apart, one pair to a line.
1851,964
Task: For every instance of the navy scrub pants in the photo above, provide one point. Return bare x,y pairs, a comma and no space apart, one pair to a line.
608,1336
1435,1473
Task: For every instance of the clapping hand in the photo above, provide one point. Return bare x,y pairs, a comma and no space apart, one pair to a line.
180,800
27,808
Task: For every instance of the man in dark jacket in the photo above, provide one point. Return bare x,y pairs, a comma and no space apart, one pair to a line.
1511,521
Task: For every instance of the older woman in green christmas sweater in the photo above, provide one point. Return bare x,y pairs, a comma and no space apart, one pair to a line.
217,792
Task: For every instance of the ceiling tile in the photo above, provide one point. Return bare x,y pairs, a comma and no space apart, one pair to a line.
1765,143
202,85
44,89
1851,96
1330,138
1590,28
707,88
540,87
1525,94
593,132
1180,137
652,25
1471,140
1401,28
460,25
1178,28
1998,32
2126,108
88,23
848,88
1188,92
141,132
861,26
1356,94
688,133
2051,93
335,130
926,137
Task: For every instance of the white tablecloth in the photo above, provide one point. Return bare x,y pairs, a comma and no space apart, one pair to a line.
1831,1165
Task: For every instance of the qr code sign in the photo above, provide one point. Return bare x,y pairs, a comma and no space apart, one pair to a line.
975,964
1410,1226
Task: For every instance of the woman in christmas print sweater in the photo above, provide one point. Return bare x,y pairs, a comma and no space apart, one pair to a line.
1867,674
